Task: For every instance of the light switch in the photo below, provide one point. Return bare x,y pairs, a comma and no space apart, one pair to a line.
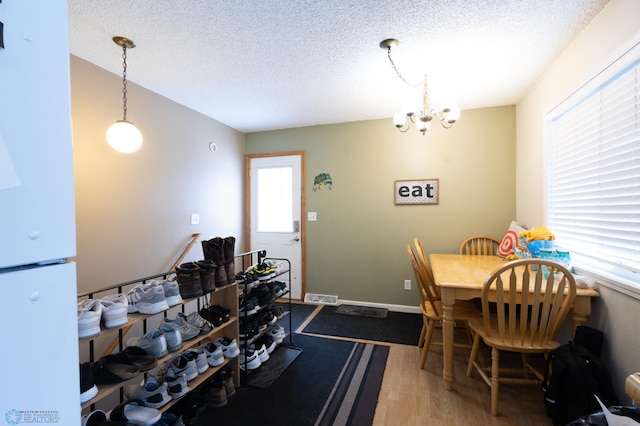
195,219
312,216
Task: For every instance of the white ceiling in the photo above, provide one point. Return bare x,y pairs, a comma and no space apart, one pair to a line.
259,65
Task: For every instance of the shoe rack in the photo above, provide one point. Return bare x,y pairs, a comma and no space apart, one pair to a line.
284,354
113,340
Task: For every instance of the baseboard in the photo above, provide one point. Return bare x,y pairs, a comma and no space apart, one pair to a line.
393,308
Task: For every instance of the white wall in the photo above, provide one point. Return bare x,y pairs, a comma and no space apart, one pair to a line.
614,313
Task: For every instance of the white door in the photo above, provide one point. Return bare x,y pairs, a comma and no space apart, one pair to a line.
275,212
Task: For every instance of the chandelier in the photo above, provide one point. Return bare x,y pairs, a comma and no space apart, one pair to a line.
422,119
123,136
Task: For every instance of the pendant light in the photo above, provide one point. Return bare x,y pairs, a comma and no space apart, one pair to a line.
123,136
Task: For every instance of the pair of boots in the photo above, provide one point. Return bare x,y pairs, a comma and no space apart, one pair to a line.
221,252
196,278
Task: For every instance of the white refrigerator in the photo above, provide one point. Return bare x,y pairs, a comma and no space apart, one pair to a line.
38,309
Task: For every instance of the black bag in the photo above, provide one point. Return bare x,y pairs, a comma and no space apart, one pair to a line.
572,377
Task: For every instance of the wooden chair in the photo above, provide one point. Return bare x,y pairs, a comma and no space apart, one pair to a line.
431,305
480,245
529,311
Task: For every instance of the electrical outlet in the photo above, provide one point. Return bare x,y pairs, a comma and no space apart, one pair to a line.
407,284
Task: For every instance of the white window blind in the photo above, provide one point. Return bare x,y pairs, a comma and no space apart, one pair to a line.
593,169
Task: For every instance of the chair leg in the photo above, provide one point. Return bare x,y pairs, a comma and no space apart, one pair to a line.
431,325
422,333
495,363
474,352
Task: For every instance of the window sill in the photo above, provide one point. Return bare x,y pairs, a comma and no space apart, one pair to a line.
626,286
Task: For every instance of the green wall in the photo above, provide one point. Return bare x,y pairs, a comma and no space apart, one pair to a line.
356,249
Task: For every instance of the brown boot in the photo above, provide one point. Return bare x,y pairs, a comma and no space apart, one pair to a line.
229,263
216,246
207,275
188,277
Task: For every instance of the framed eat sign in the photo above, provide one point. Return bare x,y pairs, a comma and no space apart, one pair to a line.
419,191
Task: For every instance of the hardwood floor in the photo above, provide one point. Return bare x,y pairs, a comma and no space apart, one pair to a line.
411,396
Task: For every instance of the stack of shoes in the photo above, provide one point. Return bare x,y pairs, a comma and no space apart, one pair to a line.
247,280
147,299
152,394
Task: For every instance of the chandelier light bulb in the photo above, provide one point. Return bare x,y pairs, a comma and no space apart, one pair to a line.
124,137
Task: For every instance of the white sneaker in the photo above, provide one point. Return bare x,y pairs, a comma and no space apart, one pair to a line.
262,352
152,300
229,347
249,360
114,310
177,384
153,394
89,315
214,354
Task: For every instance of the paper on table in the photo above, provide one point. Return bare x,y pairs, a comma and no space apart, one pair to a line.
8,176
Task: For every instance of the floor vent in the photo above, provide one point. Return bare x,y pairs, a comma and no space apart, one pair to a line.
321,299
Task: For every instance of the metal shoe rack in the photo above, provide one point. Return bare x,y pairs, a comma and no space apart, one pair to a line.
111,395
284,354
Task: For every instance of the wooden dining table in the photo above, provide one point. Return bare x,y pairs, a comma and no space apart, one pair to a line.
461,277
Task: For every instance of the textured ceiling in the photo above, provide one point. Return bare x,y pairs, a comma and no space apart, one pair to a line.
270,64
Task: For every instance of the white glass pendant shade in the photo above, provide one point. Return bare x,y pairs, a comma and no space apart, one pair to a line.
124,137
399,119
422,126
453,115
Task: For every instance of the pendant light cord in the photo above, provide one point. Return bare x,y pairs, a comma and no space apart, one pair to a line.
124,82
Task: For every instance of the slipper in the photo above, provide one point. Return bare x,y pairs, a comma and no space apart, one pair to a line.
109,369
135,355
136,413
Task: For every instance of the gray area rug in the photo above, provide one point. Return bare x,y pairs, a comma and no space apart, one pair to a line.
362,311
